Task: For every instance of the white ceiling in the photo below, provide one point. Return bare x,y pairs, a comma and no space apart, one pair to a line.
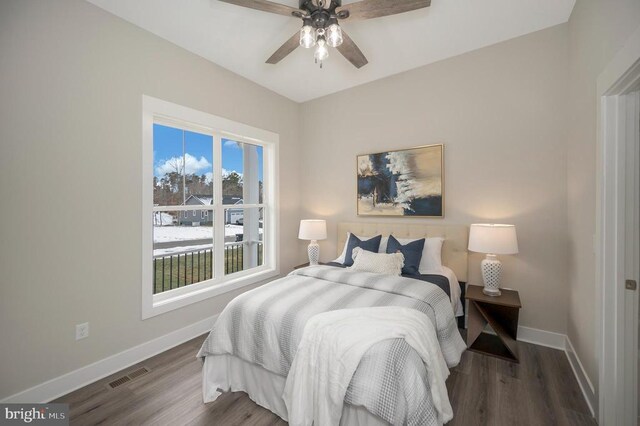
241,39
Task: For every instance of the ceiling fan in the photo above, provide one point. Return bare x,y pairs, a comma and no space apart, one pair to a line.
321,24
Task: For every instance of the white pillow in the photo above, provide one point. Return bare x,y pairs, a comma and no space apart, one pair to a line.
378,263
431,255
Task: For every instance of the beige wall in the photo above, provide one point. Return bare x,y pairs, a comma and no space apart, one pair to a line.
501,113
597,31
71,81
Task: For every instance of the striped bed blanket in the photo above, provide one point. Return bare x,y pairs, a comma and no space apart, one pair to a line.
265,325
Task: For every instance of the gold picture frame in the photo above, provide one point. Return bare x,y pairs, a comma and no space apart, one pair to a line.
401,183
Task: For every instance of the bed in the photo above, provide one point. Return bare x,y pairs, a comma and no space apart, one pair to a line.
252,345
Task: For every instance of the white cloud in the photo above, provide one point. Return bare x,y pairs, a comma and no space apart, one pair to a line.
189,164
192,166
232,144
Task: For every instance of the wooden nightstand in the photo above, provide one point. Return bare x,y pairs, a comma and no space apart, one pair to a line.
501,313
304,265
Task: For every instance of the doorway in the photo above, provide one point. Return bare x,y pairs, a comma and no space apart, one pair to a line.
618,236
632,256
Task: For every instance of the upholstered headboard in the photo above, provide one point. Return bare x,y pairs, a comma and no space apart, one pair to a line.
454,249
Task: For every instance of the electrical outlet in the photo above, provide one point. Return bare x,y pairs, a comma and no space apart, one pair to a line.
82,331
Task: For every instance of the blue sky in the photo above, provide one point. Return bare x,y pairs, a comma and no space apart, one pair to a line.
198,152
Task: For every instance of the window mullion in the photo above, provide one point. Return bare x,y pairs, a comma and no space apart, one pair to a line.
218,222
184,178
268,245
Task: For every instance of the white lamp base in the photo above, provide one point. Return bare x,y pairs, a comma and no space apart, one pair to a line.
314,253
491,271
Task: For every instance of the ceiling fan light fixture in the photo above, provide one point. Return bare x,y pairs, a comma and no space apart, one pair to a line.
307,37
334,35
322,52
327,14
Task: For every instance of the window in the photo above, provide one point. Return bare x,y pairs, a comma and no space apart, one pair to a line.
197,162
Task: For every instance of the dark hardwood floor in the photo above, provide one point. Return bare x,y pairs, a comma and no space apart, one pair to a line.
541,390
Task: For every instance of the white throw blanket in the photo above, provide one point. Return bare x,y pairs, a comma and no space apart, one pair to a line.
331,348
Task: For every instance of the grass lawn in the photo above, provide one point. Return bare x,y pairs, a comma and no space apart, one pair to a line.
180,270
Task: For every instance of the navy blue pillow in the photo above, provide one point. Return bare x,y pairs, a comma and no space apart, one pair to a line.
372,245
412,253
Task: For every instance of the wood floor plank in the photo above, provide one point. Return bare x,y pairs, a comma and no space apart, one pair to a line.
476,395
511,395
483,390
542,404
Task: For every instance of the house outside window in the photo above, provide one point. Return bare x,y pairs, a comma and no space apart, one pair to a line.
197,162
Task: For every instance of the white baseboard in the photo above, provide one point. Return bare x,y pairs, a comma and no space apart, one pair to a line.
541,337
583,379
73,380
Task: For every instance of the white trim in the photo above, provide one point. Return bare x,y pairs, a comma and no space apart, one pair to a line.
620,76
587,388
156,110
86,375
183,296
549,339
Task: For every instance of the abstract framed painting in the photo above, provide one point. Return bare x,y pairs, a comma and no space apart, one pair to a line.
407,182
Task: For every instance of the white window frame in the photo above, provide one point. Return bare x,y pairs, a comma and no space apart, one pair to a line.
167,113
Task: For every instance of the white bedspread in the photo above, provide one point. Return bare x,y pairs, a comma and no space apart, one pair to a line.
331,348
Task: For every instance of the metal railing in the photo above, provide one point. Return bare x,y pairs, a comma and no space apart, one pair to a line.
175,270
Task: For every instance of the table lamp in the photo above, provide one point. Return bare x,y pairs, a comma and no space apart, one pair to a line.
493,240
313,230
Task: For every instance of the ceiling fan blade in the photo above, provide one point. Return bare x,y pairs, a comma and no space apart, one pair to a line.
352,52
368,9
267,6
288,47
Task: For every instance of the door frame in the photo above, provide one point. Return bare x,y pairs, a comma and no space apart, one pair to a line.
617,387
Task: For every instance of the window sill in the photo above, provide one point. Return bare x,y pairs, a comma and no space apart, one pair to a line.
165,302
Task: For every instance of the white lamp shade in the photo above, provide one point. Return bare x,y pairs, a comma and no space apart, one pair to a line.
313,230
493,239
